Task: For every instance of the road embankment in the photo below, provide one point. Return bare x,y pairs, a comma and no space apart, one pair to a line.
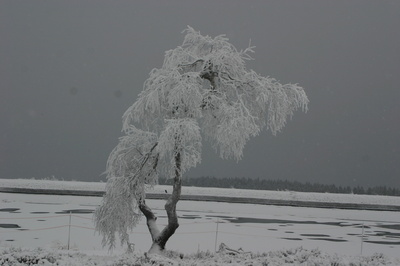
242,200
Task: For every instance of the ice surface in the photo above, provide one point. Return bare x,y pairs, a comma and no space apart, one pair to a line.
43,221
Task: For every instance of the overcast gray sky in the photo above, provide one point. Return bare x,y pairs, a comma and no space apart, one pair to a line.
69,69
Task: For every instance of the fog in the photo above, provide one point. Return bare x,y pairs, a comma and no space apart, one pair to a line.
69,69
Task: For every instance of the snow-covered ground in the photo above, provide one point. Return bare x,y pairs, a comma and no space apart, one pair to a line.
43,221
298,256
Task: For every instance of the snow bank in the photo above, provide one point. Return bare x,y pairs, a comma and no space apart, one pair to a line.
52,184
224,192
298,256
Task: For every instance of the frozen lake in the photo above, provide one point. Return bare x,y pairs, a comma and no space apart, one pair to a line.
44,221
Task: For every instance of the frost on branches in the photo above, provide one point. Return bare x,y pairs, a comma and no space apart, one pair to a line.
202,89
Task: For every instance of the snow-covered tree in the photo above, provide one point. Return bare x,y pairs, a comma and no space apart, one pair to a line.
202,90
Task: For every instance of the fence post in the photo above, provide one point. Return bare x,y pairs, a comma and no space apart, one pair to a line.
216,236
69,228
362,238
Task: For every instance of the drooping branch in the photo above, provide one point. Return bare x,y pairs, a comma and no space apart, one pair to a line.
147,156
131,167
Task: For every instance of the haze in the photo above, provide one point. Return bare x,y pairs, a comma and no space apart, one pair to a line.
69,69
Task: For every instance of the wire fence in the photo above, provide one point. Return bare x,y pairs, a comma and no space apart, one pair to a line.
217,229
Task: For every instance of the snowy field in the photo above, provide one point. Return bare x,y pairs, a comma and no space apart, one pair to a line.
51,222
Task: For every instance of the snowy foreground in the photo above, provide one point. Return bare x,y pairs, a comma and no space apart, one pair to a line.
299,256
35,229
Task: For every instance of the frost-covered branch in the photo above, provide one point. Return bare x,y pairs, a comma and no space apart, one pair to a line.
180,136
131,168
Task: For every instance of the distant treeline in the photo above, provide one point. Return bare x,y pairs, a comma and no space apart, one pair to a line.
263,184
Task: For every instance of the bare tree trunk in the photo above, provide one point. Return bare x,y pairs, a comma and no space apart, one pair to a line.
160,238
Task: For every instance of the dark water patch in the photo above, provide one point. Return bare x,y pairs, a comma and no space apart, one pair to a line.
279,221
9,209
362,226
390,226
292,238
393,237
189,216
41,220
79,211
43,203
328,239
315,235
260,221
390,243
226,218
9,226
385,234
39,212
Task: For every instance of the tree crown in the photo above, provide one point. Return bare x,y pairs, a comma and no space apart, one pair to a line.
205,83
202,89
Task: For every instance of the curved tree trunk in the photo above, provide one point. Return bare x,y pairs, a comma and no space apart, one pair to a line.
160,238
